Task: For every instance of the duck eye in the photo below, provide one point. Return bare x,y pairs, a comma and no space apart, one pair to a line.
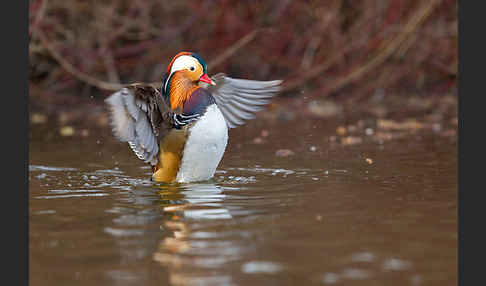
192,68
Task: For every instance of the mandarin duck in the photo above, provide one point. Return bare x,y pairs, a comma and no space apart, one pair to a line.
181,127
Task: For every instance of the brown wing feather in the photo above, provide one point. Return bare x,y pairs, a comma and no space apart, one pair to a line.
141,117
158,110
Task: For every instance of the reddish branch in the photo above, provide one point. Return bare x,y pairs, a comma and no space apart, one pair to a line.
308,47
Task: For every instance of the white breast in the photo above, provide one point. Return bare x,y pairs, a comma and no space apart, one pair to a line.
204,147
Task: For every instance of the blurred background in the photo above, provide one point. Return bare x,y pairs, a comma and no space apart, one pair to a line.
348,177
329,53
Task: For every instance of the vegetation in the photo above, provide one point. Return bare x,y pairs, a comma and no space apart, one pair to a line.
339,51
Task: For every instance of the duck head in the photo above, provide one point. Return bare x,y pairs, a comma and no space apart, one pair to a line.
185,71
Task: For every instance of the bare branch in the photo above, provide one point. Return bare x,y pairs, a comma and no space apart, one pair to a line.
233,49
74,71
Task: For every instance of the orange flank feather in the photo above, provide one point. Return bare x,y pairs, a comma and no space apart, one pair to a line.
172,147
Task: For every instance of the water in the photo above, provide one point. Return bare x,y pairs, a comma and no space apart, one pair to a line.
323,216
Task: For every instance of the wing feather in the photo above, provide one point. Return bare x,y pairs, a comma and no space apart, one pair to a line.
140,117
240,99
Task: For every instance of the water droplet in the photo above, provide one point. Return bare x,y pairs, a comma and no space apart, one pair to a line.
356,274
363,257
41,176
330,278
261,267
396,264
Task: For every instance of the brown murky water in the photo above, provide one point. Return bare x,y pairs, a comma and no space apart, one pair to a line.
323,216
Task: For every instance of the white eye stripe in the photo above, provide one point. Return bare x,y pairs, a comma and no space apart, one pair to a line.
183,62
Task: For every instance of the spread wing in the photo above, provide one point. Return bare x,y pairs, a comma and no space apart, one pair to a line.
140,117
239,99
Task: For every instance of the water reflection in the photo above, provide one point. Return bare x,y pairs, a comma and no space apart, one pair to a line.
330,220
194,253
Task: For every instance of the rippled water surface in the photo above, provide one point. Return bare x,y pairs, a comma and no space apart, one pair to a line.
323,216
